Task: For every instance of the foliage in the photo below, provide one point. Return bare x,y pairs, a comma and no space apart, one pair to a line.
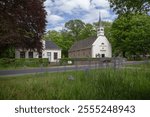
63,39
88,31
131,35
6,63
64,61
130,6
95,84
8,52
75,30
74,27
22,23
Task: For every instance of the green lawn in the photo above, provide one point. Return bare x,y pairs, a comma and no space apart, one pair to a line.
95,84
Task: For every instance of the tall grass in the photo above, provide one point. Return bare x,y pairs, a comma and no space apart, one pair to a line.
90,84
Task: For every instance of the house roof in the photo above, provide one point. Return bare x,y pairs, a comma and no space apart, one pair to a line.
82,44
51,45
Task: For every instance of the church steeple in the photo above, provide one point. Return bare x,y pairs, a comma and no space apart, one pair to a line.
100,29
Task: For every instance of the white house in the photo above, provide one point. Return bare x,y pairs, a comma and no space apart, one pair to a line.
93,47
50,51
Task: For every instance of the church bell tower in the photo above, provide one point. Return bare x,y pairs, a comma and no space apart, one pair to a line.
100,29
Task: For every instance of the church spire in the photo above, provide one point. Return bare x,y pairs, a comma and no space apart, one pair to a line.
100,29
99,23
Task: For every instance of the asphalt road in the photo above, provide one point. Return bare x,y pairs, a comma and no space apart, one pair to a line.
59,69
45,69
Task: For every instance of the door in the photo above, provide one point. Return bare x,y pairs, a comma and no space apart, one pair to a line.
103,55
49,56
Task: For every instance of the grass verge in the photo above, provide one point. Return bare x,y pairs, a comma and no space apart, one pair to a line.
89,84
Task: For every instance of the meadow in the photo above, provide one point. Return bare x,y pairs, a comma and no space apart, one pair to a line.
132,82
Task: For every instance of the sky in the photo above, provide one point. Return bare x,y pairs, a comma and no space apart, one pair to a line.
61,11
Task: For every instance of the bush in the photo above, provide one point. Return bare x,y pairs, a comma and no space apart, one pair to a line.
30,62
64,61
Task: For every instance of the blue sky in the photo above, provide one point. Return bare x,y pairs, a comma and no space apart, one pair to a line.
61,11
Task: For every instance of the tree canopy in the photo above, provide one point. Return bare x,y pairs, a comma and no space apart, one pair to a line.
130,6
131,35
74,27
22,23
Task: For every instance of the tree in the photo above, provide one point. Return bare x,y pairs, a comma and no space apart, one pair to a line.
22,23
87,31
130,6
63,39
131,35
74,27
53,35
67,41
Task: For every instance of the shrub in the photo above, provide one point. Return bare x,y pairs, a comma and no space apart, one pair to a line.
64,61
30,62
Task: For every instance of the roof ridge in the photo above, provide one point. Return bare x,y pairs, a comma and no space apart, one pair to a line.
49,44
81,44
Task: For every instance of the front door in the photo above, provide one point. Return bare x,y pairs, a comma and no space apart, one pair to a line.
49,56
103,55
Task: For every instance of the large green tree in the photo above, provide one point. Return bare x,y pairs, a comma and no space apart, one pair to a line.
74,27
62,38
22,23
87,31
131,35
130,6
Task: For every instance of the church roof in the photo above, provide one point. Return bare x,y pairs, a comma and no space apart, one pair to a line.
51,45
82,44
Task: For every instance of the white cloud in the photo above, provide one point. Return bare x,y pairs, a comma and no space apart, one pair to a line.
93,15
57,28
54,19
100,3
60,11
67,6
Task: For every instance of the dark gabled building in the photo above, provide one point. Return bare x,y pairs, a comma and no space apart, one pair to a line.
82,48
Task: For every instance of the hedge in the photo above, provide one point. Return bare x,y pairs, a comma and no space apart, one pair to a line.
64,61
23,62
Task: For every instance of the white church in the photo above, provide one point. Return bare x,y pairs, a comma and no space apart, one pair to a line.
93,47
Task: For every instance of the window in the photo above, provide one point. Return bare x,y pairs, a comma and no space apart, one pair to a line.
48,53
40,54
55,55
30,54
102,43
22,54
